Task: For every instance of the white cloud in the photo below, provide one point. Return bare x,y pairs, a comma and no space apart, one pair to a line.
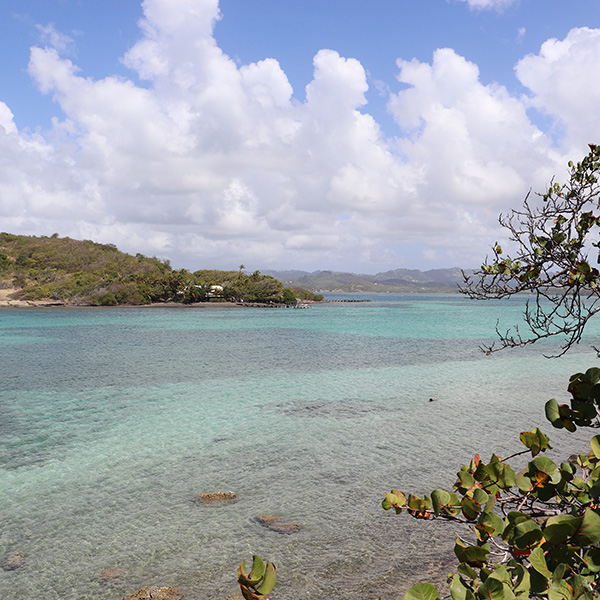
53,38
498,5
213,164
562,79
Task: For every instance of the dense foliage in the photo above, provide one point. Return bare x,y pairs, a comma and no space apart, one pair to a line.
259,582
89,273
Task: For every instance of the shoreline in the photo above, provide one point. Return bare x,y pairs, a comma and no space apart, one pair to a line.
7,302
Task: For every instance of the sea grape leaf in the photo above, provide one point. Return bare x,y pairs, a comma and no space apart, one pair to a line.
561,528
560,590
521,580
589,529
474,556
257,571
591,559
527,534
459,590
465,481
489,525
513,520
544,466
501,474
538,562
440,499
536,441
467,571
493,589
269,580
422,591
552,413
470,508
595,444
581,588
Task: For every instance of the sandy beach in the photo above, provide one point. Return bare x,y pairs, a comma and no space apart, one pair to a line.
7,302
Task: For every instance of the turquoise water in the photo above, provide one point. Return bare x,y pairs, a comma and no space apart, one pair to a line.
112,420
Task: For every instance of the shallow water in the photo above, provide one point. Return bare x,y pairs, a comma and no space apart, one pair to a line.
114,419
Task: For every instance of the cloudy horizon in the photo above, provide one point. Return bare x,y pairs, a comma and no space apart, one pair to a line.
198,156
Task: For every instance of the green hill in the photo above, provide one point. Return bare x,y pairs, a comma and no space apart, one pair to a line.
88,273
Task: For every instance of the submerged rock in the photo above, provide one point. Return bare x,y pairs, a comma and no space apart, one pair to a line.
113,574
153,592
13,561
277,524
215,497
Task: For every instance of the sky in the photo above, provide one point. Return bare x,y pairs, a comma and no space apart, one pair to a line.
291,134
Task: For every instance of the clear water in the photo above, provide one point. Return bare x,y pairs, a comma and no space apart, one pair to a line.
112,420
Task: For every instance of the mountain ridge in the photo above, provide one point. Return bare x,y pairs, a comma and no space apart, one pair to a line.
396,280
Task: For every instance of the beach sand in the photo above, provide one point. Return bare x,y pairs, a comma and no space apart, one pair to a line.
7,302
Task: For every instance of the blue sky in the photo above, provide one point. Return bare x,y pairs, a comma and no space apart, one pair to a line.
290,133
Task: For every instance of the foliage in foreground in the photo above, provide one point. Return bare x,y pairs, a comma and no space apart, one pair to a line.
89,273
259,582
535,533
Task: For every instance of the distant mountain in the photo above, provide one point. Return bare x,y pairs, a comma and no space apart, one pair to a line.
397,280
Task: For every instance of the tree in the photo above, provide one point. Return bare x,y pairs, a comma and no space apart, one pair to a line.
553,241
535,533
289,296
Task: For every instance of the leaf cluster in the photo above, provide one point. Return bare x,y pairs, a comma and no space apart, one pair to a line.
260,582
534,533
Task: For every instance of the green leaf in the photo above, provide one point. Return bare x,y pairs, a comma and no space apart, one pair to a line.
269,580
538,562
422,591
474,556
464,482
536,441
440,499
595,444
561,528
257,571
492,589
589,530
470,508
560,590
459,590
500,474
581,588
521,580
513,520
527,534
591,560
467,571
242,572
541,464
552,413
489,525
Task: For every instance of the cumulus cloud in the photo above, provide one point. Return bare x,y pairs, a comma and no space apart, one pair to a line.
561,78
212,164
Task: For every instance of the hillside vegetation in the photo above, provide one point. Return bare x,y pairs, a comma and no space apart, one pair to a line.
398,280
88,273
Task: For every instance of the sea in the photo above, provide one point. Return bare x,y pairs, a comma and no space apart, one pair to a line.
113,421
